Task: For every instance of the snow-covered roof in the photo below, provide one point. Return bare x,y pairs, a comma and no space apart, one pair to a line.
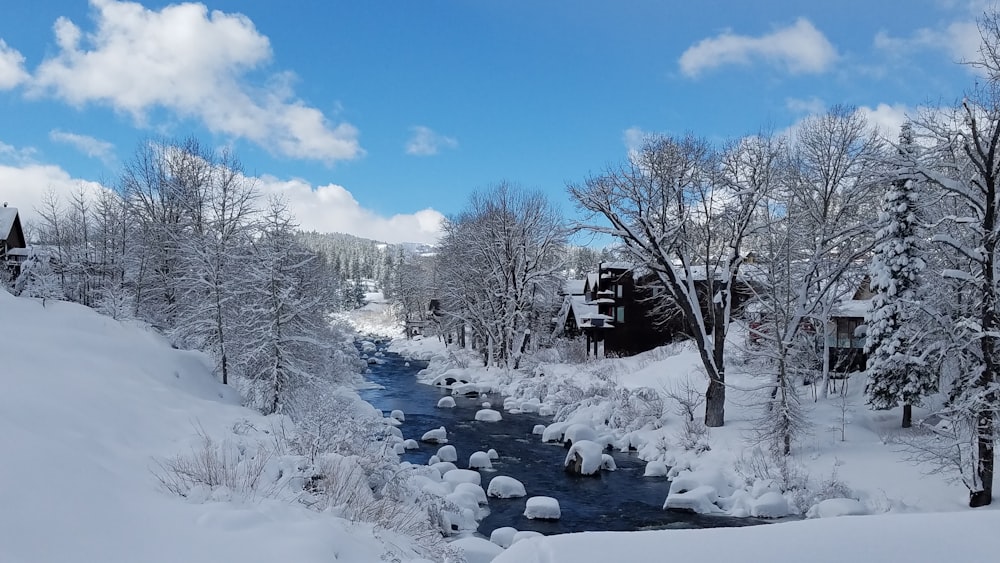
851,308
582,309
616,266
574,287
602,300
7,216
19,252
606,292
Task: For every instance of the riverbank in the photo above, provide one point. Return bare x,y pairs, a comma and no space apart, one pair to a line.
847,452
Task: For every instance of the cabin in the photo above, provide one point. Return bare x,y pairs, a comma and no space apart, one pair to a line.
846,330
13,247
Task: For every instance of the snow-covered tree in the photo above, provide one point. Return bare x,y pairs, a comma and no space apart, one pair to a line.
897,374
677,215
498,267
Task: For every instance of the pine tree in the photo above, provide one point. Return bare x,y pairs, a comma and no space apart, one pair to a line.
896,375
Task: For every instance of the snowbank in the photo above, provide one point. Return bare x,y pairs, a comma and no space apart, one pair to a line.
88,405
967,536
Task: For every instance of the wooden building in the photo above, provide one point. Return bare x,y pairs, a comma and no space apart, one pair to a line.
13,247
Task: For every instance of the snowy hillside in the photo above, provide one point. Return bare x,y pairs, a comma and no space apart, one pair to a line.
89,411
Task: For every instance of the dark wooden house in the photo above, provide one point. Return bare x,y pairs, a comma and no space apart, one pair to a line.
13,247
846,332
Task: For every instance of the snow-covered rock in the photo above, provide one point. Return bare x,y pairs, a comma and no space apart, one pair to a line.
542,508
474,490
492,454
608,463
446,403
463,500
399,449
554,432
655,468
411,444
538,430
367,346
503,486
444,467
578,432
436,436
433,459
770,505
486,405
398,415
488,415
525,535
833,507
584,458
480,460
447,453
503,537
547,410
393,421
477,550
700,500
463,476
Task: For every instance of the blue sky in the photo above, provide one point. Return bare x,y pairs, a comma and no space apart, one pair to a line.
377,118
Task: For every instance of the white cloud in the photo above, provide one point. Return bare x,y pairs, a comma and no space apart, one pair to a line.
808,106
332,208
800,48
90,146
888,119
425,142
192,62
24,185
959,40
12,70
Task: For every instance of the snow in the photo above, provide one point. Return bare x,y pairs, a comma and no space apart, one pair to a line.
770,505
476,491
435,436
834,507
700,500
398,415
503,537
488,415
447,453
554,432
480,460
411,444
584,458
577,432
538,430
478,550
503,486
88,406
525,535
492,454
462,476
443,467
967,536
446,403
608,463
655,468
542,508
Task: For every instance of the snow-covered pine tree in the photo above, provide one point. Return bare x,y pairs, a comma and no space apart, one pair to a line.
896,374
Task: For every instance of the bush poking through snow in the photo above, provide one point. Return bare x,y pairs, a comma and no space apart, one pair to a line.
214,465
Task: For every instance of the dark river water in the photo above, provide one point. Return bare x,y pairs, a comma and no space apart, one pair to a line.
618,500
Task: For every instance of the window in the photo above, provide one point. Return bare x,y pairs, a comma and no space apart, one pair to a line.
619,314
618,291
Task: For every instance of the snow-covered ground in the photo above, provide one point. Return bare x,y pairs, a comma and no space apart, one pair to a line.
89,409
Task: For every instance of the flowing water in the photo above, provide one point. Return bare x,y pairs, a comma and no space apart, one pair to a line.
617,500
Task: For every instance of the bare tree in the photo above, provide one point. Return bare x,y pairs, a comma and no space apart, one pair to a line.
498,263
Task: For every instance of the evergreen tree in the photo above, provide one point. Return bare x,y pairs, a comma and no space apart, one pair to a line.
896,375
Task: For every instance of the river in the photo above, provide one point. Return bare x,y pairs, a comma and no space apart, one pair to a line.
618,500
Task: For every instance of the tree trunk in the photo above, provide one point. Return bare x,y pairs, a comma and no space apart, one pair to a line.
907,415
984,443
715,403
